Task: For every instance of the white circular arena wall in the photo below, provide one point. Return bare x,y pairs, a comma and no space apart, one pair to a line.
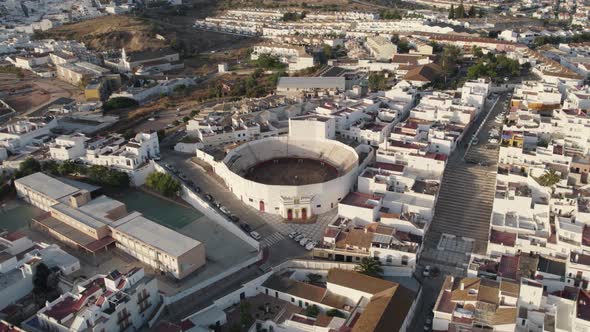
324,196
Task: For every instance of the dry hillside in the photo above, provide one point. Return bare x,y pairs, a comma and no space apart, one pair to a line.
110,32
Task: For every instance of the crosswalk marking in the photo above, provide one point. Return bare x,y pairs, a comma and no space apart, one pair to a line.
271,239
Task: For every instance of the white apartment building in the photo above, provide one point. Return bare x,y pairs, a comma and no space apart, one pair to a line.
17,135
20,257
475,93
381,48
68,147
115,152
221,131
111,302
313,126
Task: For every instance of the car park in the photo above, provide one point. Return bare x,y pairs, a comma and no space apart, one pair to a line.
255,235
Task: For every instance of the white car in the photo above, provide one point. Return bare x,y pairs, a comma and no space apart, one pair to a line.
493,141
298,237
310,245
255,236
293,234
225,210
475,141
303,241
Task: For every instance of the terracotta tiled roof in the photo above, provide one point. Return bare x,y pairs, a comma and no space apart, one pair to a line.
358,281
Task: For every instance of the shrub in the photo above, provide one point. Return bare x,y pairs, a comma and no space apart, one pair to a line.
118,103
163,183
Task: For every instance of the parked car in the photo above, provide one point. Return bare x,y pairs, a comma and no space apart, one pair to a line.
493,141
310,245
303,241
475,141
157,158
255,236
299,237
224,210
197,189
234,218
246,227
209,197
293,234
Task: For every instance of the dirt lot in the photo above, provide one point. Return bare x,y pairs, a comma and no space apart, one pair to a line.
32,92
110,32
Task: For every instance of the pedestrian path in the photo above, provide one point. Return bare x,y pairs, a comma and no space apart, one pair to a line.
271,239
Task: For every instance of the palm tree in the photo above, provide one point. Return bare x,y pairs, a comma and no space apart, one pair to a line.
370,267
549,178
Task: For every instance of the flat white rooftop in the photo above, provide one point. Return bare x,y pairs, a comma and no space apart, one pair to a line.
156,235
47,185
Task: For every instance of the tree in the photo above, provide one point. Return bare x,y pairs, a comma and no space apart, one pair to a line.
119,103
161,134
50,166
28,167
481,13
460,12
314,278
370,267
549,178
186,119
448,60
471,12
194,113
40,279
108,177
312,311
335,313
175,123
377,81
163,183
452,12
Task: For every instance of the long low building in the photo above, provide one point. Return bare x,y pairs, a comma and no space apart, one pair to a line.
76,218
310,86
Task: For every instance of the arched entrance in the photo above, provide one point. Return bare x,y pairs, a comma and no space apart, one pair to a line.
289,214
261,206
303,213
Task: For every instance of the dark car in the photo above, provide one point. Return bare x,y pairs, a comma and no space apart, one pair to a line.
197,189
246,227
234,218
209,197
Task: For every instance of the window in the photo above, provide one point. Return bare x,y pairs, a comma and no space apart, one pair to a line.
389,259
292,300
404,260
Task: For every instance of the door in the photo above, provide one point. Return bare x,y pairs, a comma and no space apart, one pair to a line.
304,213
289,214
261,205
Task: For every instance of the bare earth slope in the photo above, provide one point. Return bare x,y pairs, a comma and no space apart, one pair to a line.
111,32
